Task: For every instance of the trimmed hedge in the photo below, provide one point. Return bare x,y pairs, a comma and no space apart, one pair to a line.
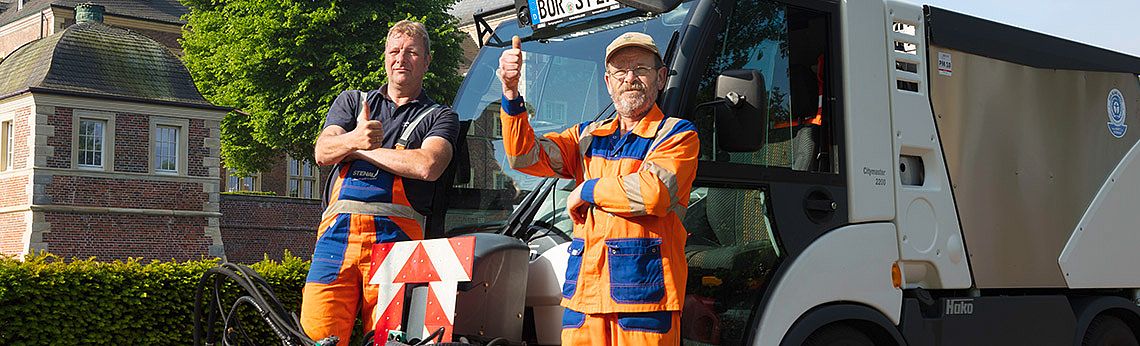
46,300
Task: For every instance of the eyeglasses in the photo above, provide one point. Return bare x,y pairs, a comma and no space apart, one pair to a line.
640,71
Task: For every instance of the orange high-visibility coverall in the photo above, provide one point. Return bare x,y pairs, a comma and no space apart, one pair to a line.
367,205
625,279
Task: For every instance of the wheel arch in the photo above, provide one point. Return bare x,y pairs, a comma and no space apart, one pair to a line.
864,317
1087,308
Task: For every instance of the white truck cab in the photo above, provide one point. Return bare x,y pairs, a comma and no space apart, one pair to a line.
895,174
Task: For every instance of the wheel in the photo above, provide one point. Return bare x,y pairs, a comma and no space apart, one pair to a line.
838,335
1107,330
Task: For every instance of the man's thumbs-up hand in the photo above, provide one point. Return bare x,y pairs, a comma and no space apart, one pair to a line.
368,134
510,69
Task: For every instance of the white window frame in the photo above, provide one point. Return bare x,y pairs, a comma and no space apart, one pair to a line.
7,144
160,155
108,119
498,180
255,183
301,178
180,152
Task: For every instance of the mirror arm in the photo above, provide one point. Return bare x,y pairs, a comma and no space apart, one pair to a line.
732,100
713,103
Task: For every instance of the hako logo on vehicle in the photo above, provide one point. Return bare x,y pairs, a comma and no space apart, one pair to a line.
959,306
1116,114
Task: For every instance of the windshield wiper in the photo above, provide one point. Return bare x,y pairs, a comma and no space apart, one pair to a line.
518,223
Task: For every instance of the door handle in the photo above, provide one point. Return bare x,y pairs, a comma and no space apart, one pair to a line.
824,205
819,206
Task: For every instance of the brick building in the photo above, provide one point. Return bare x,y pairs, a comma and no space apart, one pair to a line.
55,197
108,148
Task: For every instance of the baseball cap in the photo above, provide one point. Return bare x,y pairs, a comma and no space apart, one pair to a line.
632,39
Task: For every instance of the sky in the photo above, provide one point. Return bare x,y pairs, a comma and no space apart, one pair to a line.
1111,24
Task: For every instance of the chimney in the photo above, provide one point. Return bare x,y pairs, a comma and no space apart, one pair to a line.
88,12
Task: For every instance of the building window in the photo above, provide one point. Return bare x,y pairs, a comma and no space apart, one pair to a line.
498,180
302,179
6,145
236,183
166,149
91,134
169,146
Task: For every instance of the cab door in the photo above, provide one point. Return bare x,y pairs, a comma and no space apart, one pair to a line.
752,211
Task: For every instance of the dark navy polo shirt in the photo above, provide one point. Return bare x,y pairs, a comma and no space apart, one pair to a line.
442,122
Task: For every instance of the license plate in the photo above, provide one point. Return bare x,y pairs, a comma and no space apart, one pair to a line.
544,13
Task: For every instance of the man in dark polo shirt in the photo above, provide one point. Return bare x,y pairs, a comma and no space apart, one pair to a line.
388,147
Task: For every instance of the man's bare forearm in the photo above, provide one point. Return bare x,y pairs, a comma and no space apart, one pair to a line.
332,147
415,163
425,163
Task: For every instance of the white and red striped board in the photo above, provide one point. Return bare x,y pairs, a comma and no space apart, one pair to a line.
440,263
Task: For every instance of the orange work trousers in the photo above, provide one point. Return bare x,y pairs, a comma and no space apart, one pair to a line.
337,288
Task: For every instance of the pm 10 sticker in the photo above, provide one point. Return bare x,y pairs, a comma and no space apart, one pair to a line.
945,64
1116,114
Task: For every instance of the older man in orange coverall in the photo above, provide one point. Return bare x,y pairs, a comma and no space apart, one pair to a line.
625,279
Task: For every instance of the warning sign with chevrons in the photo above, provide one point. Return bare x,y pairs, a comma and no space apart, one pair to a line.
439,263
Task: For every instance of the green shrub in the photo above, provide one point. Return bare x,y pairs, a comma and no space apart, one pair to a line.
46,300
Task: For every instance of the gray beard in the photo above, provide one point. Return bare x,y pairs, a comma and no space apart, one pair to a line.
630,105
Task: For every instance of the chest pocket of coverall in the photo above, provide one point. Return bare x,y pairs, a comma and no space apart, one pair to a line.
367,183
636,272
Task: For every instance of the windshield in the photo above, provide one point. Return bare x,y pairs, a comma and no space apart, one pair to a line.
562,85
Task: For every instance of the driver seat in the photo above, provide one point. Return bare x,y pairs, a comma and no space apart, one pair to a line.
736,222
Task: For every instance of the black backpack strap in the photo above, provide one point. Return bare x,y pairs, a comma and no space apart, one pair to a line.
411,125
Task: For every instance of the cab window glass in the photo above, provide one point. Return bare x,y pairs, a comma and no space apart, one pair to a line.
787,45
732,253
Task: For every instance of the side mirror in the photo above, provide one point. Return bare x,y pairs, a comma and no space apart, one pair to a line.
653,6
741,110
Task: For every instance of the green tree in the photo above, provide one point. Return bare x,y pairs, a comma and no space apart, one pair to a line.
281,63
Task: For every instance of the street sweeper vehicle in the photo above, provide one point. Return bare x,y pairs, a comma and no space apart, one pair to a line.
871,173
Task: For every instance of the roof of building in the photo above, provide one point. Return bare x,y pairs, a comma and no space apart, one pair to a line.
465,10
95,60
166,11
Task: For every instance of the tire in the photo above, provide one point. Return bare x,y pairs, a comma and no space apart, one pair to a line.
1107,330
838,334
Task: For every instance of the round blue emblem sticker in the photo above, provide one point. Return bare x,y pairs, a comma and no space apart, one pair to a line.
1116,114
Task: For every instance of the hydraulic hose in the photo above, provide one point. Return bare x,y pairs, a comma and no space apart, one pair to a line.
257,294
